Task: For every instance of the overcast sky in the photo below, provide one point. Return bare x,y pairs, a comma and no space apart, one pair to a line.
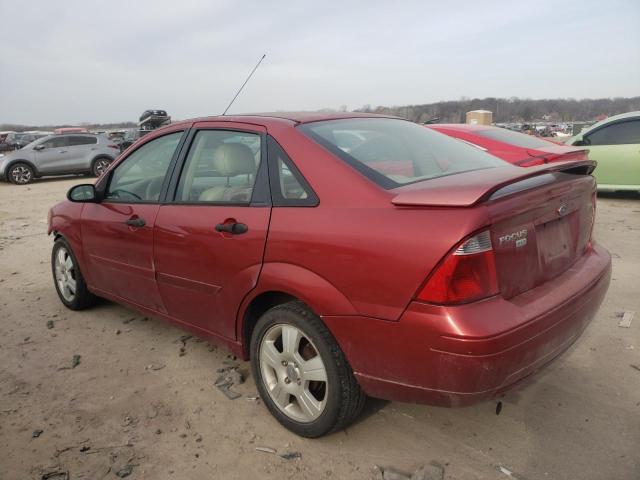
76,61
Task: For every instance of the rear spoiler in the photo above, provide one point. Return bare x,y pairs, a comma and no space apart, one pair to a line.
469,188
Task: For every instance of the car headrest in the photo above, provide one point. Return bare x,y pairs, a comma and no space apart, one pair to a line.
231,159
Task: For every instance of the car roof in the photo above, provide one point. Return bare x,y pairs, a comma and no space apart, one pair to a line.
293,117
613,118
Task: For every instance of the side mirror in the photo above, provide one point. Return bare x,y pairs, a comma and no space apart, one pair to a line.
39,147
82,193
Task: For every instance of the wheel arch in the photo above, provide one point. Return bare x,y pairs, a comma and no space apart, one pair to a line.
20,160
281,283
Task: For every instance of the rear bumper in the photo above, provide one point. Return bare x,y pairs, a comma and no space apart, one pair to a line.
456,356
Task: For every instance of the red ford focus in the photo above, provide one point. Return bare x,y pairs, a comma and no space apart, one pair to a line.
344,255
514,147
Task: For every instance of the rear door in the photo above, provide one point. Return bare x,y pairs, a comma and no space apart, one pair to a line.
79,152
616,148
210,234
117,233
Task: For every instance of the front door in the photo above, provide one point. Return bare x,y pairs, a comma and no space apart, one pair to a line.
616,148
48,157
210,236
117,233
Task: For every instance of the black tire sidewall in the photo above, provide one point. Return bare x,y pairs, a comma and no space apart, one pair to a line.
327,420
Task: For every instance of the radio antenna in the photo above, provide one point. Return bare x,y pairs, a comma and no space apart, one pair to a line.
245,82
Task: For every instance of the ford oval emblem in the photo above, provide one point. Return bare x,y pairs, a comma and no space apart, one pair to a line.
562,210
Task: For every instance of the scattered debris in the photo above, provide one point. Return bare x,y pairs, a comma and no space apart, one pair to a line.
125,471
291,455
158,432
432,471
128,320
635,366
85,448
498,408
229,376
155,367
55,475
252,399
626,319
75,361
50,324
266,450
36,433
118,332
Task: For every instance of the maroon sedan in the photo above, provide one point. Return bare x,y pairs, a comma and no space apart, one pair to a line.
345,255
514,147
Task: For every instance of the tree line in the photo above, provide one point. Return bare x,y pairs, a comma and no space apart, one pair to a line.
513,109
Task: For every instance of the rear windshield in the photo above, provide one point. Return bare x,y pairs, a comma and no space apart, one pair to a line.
397,152
513,138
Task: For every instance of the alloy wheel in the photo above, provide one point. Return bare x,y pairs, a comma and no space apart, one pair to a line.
21,174
65,274
100,166
293,373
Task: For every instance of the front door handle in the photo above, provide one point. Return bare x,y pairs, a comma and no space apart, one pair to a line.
233,228
62,151
136,222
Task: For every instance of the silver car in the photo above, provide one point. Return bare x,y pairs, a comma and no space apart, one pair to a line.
58,155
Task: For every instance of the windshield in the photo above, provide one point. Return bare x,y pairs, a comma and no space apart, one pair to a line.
513,138
395,152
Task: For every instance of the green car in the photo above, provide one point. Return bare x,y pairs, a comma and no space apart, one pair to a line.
615,144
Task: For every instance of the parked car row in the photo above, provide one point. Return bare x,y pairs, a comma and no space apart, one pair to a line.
344,255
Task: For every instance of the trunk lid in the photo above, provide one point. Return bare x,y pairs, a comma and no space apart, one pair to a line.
540,217
538,233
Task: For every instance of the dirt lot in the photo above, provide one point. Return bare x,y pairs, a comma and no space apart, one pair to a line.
134,400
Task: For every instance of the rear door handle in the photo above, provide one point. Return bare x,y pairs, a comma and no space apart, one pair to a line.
62,151
136,222
232,228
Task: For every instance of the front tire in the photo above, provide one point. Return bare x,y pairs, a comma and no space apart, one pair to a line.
301,373
20,173
67,278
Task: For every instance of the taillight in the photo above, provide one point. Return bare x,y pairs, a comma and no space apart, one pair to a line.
467,274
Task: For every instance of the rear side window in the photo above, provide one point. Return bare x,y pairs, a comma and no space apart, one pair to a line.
78,140
397,152
288,186
512,138
622,133
221,167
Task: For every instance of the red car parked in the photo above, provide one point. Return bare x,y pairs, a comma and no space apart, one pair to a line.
343,254
514,147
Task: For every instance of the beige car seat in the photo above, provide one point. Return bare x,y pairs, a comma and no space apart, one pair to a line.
231,160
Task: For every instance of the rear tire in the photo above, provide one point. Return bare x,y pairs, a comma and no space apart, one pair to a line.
20,173
301,373
67,278
99,166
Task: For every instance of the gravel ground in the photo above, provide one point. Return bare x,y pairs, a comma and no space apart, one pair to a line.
136,407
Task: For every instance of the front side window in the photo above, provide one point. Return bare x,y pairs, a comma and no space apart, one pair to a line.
82,140
622,133
397,152
55,142
139,178
221,167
